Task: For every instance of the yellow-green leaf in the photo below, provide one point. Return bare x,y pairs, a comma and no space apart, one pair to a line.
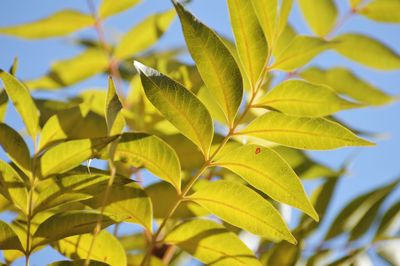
267,14
211,243
382,10
110,7
22,101
285,9
355,3
296,97
78,263
367,51
302,132
343,81
15,147
244,208
72,70
3,104
114,118
265,170
67,224
284,40
389,224
106,248
12,186
158,157
250,41
58,24
299,52
8,238
320,15
215,63
144,35
136,260
179,106
70,154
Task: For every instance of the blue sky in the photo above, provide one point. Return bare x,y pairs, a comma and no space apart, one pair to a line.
371,166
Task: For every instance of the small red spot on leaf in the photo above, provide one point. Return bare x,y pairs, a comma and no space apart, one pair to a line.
258,150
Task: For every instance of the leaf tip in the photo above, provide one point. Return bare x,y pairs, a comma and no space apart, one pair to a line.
139,66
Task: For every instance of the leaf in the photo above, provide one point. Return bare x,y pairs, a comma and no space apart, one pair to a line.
296,97
58,24
367,51
12,186
69,71
321,16
109,8
382,10
343,81
286,37
70,154
158,157
8,238
299,52
136,260
67,224
267,171
77,122
389,250
302,132
211,243
3,104
15,147
78,263
144,35
267,14
127,202
179,106
389,223
244,208
106,249
355,3
22,102
115,120
250,40
215,63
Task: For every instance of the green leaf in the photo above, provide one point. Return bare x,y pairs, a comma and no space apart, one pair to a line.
22,102
78,122
106,249
3,104
179,106
67,224
215,63
15,147
367,51
115,120
127,202
12,186
389,223
287,36
285,9
70,154
78,263
69,71
296,97
211,243
250,41
244,208
343,81
58,24
321,16
299,52
144,35
158,157
355,3
382,10
267,14
8,238
109,8
302,132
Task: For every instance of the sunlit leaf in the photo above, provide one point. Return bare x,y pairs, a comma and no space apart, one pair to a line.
296,97
250,41
211,243
58,24
22,102
302,132
390,251
136,260
382,10
215,63
179,106
158,157
389,223
78,263
320,15
267,14
244,208
267,171
367,51
144,35
8,238
3,104
299,52
285,9
343,81
115,120
109,8
284,40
